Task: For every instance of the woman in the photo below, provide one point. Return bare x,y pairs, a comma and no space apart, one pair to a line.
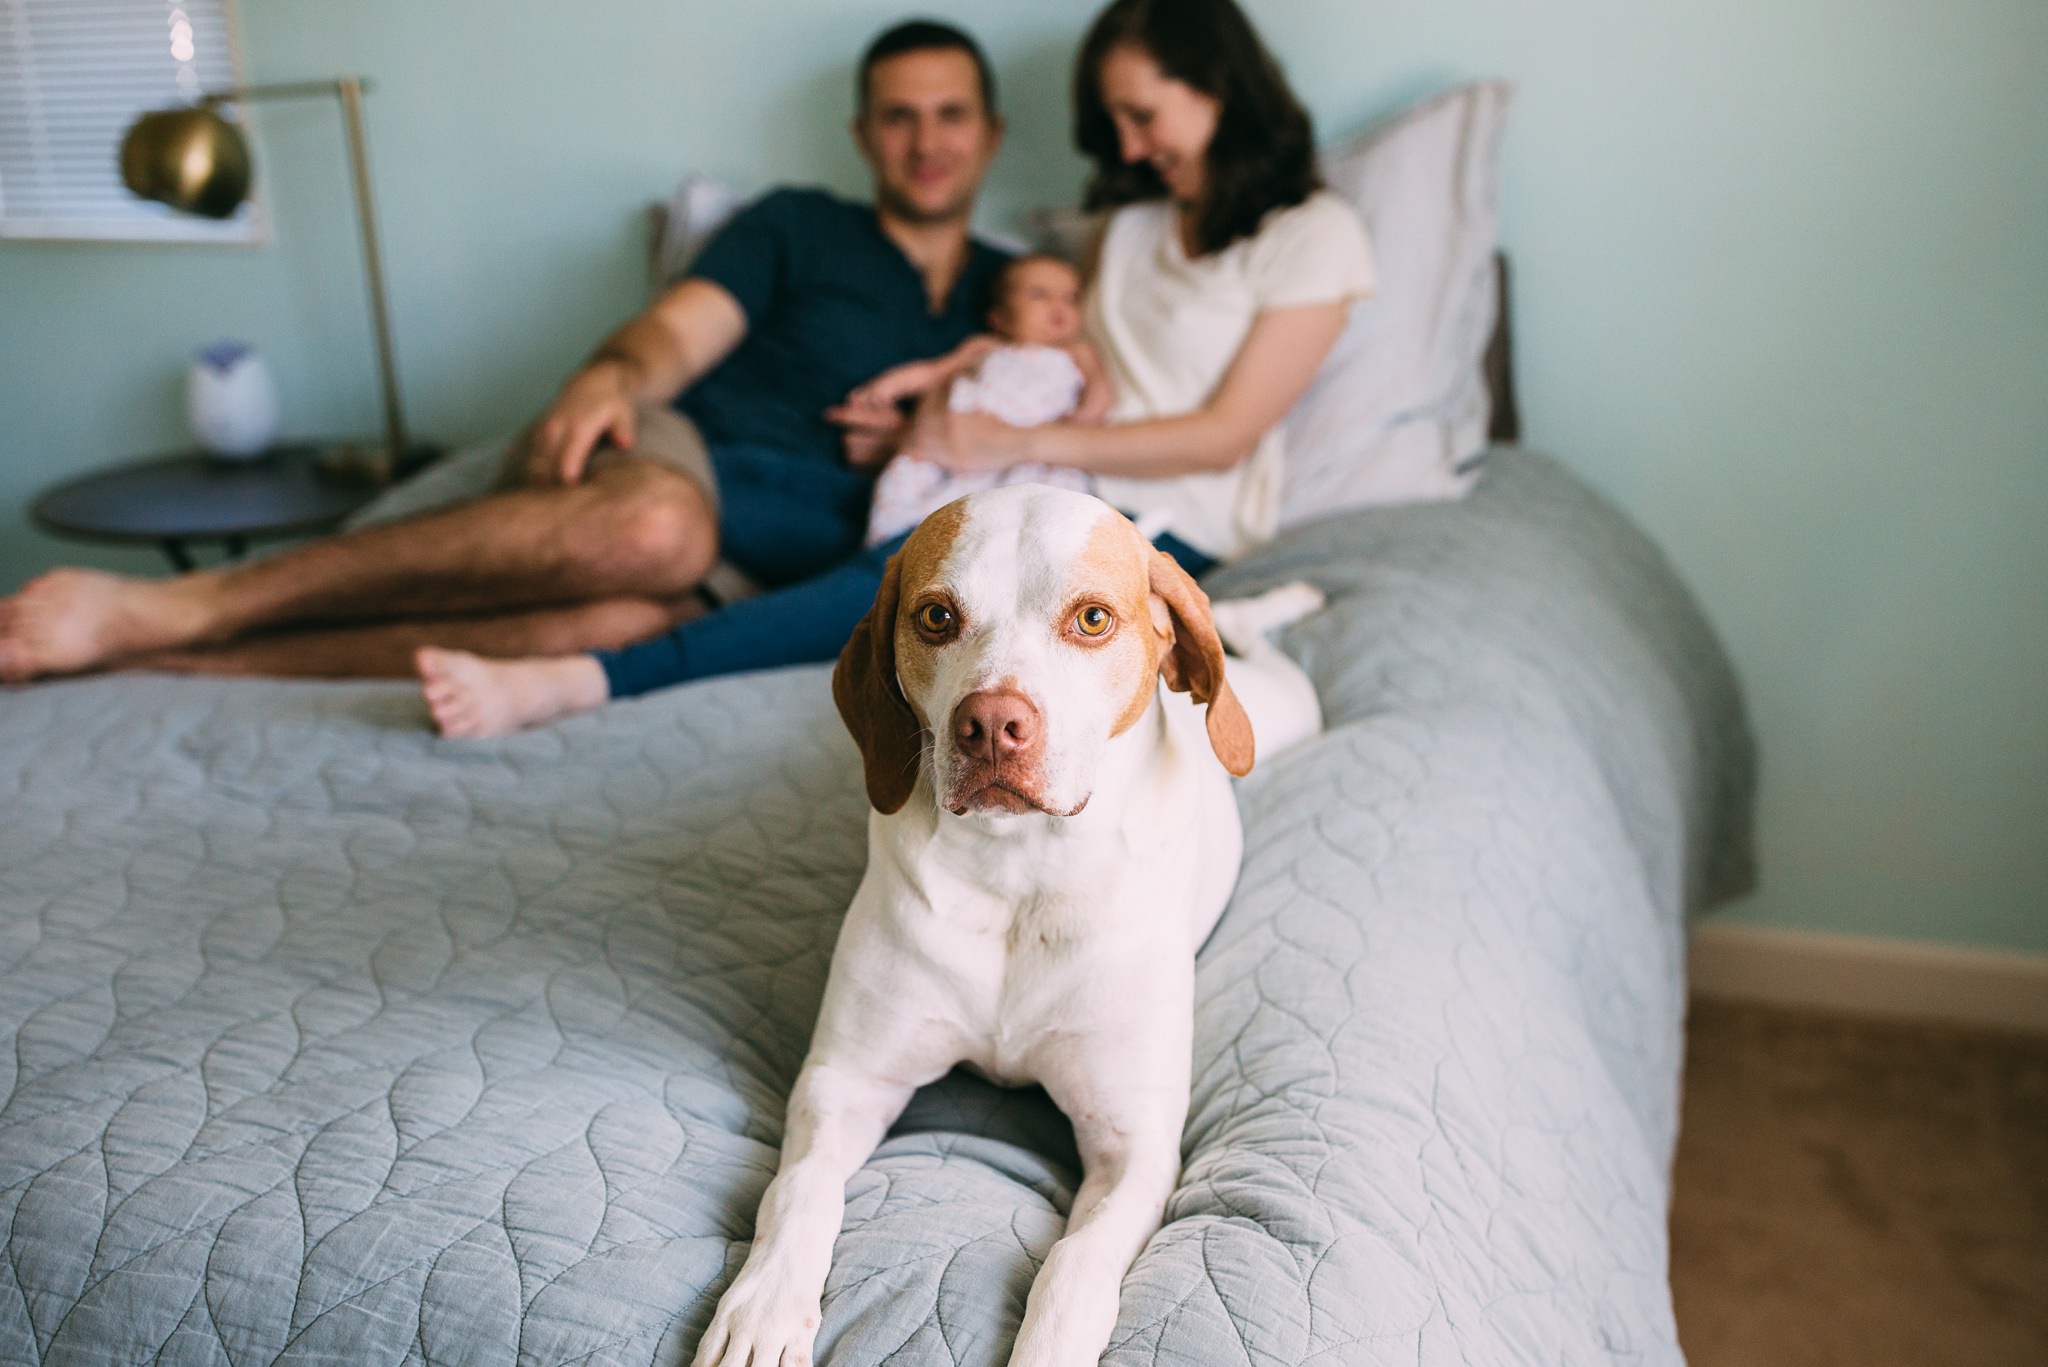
1220,282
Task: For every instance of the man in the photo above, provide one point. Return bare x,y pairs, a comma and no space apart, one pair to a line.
617,506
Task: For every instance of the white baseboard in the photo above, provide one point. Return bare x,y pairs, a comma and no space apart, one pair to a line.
1902,979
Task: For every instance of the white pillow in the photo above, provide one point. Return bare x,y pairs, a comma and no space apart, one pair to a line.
1401,404
692,216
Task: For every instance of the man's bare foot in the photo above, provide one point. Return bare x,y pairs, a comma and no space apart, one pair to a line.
68,621
472,696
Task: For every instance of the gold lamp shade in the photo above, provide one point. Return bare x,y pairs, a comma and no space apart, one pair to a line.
191,159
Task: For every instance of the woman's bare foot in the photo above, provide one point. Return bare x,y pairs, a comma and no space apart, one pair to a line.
68,621
472,696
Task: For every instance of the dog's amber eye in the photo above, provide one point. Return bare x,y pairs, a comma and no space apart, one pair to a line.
1093,620
934,619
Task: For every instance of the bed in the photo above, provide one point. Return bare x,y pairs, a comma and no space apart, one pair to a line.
328,1040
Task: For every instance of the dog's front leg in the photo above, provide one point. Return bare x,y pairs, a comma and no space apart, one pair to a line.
769,1315
1130,1163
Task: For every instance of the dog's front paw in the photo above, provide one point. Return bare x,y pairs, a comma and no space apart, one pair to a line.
761,1319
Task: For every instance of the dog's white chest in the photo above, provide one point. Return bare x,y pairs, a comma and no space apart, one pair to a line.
1035,981
1034,943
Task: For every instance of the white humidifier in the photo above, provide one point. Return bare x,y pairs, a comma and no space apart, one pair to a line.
232,401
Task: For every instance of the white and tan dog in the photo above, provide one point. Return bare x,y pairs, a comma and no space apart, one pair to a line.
1054,836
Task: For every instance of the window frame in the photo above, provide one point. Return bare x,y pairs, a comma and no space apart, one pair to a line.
139,221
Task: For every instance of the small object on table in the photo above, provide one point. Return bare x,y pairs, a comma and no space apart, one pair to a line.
231,401
191,496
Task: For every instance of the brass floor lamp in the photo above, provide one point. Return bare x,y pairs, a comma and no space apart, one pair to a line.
197,162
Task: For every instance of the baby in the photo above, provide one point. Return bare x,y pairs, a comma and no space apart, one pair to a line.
1035,368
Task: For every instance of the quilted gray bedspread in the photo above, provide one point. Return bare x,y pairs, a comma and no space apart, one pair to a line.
330,1041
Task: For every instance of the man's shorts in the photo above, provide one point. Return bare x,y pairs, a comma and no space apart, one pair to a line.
660,434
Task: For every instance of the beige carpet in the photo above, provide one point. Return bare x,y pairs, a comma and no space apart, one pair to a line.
1860,1194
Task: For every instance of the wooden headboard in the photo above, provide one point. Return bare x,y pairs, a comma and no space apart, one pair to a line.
1499,364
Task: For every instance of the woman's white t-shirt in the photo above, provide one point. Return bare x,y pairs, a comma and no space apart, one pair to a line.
1169,327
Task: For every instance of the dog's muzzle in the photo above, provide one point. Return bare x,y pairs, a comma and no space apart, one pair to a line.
998,764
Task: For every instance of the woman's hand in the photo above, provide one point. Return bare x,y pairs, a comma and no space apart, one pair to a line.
964,442
1272,368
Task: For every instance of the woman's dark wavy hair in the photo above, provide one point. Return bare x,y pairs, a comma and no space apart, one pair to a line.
1263,156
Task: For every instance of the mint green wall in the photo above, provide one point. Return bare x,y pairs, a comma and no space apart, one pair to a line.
1782,290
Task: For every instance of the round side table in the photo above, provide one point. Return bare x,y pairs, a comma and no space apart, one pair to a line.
191,496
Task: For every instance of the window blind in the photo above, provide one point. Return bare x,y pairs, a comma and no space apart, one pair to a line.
73,76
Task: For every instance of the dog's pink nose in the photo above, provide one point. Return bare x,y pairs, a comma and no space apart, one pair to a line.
996,725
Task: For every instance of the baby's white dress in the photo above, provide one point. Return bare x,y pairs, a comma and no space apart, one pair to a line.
1025,386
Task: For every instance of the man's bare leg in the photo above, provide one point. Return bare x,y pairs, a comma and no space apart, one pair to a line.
633,527
472,696
386,650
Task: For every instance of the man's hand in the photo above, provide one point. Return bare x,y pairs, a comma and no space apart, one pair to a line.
871,432
651,359
873,414
595,404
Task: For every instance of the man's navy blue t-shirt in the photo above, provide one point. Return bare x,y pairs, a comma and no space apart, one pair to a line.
830,304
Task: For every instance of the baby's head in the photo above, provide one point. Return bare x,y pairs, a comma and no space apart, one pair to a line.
1038,302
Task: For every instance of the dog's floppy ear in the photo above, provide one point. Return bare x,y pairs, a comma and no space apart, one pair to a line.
1193,664
871,703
